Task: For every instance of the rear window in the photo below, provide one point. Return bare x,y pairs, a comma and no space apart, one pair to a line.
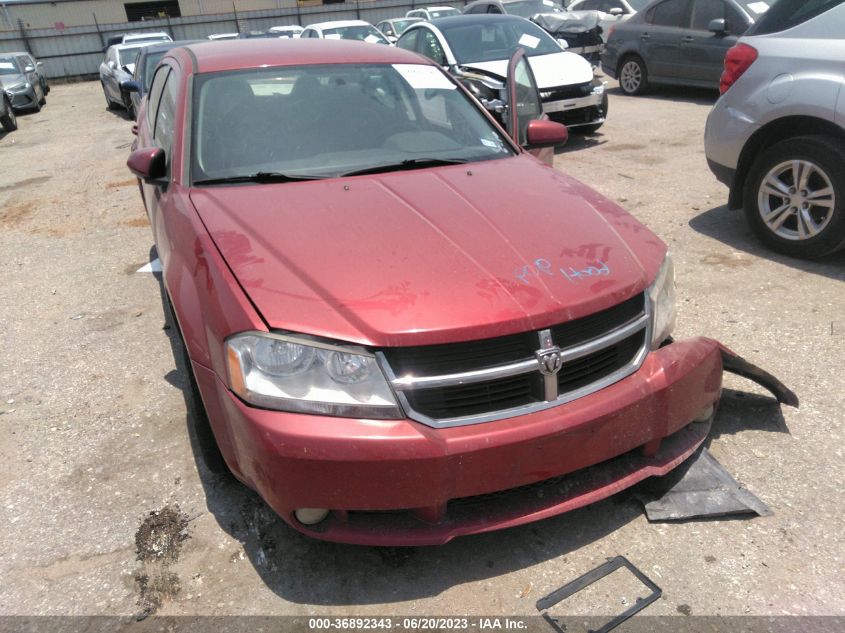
784,14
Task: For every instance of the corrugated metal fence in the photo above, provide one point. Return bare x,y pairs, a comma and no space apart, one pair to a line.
77,51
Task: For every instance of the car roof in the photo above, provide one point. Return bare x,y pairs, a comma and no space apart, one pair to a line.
437,8
405,19
161,47
11,53
339,24
140,35
211,56
482,18
127,45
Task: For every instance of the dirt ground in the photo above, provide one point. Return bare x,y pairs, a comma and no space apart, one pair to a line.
106,506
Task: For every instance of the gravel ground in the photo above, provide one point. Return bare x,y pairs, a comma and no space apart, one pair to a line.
106,507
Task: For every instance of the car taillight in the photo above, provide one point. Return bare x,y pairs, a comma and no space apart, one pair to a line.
737,60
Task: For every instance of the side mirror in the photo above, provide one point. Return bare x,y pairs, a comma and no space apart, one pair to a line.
616,11
563,43
544,133
29,69
148,163
110,64
718,26
130,85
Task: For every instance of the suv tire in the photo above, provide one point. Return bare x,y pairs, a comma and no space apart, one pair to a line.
9,121
806,218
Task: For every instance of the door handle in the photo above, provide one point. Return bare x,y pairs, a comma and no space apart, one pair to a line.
135,129
645,36
688,38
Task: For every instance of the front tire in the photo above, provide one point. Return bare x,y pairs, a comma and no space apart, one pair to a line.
794,196
109,103
633,76
9,121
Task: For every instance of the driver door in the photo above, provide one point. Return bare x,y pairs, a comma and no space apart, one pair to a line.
524,104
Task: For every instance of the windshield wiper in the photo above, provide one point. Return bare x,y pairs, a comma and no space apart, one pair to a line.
261,176
410,163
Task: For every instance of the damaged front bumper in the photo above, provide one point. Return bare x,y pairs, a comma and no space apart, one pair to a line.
398,482
578,111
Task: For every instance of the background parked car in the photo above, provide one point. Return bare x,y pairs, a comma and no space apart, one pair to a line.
676,42
431,13
148,59
610,12
8,120
345,30
22,80
580,30
137,38
776,137
287,31
393,28
117,67
476,49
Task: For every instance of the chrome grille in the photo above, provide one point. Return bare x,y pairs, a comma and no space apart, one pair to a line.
490,379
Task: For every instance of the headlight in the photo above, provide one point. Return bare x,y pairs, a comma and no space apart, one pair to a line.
20,87
296,374
661,295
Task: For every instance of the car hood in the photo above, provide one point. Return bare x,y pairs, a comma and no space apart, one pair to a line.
429,256
12,81
554,69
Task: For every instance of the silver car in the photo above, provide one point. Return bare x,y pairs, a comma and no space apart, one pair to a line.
23,81
776,136
117,67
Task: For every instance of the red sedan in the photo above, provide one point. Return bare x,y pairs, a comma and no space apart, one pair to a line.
403,326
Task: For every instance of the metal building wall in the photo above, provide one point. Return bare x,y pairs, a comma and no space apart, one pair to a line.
76,51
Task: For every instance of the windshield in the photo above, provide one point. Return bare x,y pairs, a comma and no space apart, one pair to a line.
9,66
363,32
400,25
285,120
529,8
478,42
128,56
442,13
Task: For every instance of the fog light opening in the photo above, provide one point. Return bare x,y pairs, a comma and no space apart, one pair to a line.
706,413
310,516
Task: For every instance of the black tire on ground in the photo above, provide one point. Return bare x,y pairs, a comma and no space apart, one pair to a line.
633,75
43,99
9,121
822,158
109,103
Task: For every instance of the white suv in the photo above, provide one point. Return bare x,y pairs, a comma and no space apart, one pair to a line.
776,137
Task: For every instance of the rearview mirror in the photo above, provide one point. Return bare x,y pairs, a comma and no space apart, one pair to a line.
130,85
718,26
148,163
544,133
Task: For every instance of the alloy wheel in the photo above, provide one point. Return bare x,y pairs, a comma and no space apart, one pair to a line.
796,200
631,76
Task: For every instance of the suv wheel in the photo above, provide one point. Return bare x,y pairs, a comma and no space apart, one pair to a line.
9,121
795,196
633,76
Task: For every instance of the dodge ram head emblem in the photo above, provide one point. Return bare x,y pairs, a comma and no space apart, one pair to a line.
551,360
